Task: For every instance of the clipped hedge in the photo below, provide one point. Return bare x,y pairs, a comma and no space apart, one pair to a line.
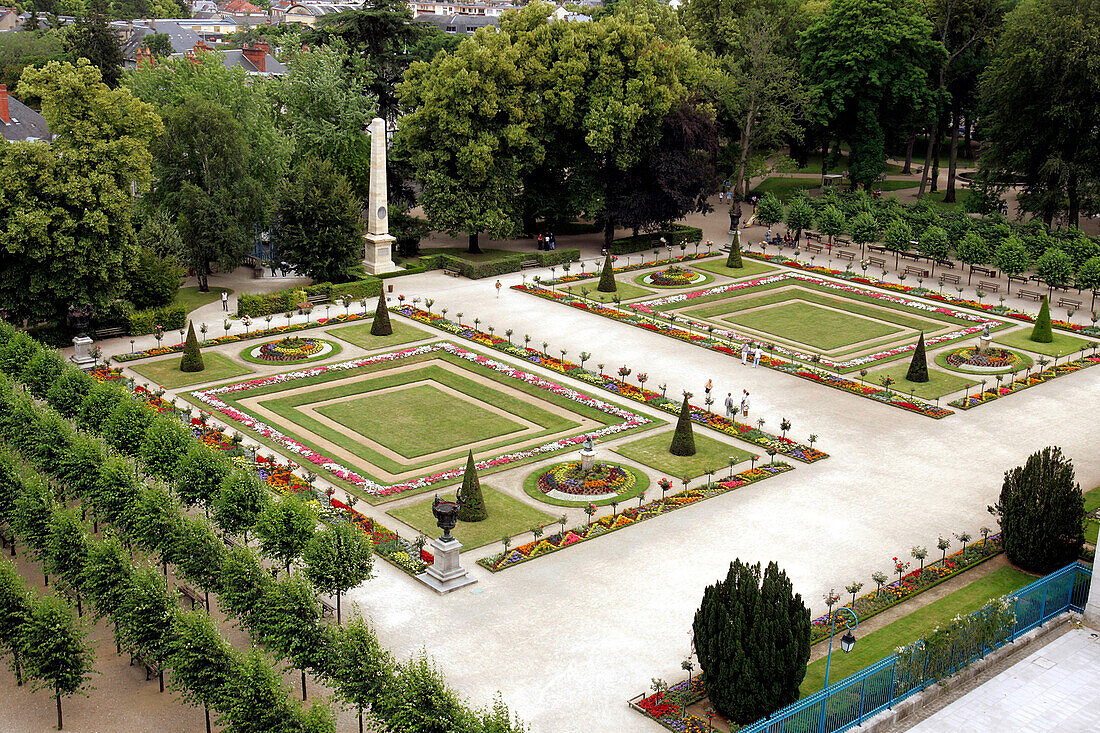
675,235
501,266
281,301
170,318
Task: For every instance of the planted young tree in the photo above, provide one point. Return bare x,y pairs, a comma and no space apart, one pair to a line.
285,528
202,661
769,210
683,438
154,521
241,500
363,671
898,237
422,701
1041,512
124,429
288,622
338,558
933,243
800,215
830,220
34,507
114,494
243,583
380,326
918,367
57,655
165,446
145,618
752,637
473,509
607,276
107,578
197,553
1041,332
67,553
97,406
864,229
41,371
256,699
734,259
200,475
67,393
15,613
192,357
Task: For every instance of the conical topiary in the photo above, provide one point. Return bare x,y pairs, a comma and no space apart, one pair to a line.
918,368
683,439
607,276
734,260
192,357
381,325
1042,333
473,507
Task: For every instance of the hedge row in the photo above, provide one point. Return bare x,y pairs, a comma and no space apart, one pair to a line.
281,301
502,266
675,235
169,317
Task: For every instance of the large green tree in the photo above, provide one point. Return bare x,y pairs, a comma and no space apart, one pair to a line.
91,38
58,656
337,558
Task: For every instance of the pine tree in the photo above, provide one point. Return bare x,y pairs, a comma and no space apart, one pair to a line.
918,368
734,260
1042,333
683,438
473,508
192,357
381,325
607,276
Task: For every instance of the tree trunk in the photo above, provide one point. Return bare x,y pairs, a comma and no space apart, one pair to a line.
201,273
530,222
908,168
160,678
57,696
968,130
303,685
206,711
18,668
473,247
608,232
360,719
949,194
927,164
79,608
338,608
1074,196
46,578
824,156
740,188
936,158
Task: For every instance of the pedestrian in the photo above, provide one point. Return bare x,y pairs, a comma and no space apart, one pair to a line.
756,354
225,301
540,242
731,409
553,241
745,405
768,236
708,387
745,353
498,286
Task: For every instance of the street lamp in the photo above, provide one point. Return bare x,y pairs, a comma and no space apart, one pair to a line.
847,642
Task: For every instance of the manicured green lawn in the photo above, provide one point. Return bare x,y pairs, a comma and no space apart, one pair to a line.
1061,345
938,384
418,420
190,297
166,372
896,185
877,645
751,268
1091,529
814,326
487,255
710,454
360,335
507,516
785,188
625,291
1092,499
936,199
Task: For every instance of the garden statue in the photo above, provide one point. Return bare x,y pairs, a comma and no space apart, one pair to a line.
984,340
80,317
446,514
446,573
588,455
588,443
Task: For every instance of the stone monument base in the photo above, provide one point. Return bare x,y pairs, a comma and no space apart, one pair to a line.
445,574
588,460
377,254
983,344
82,345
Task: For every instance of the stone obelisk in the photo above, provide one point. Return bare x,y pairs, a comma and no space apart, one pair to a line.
377,256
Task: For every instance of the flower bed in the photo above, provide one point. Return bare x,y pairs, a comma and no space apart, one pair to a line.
785,446
568,478
669,708
971,359
212,398
912,584
1018,385
626,518
625,268
999,310
726,347
291,350
673,276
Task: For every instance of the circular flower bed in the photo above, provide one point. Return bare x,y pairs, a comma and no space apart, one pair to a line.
994,360
290,350
565,484
674,276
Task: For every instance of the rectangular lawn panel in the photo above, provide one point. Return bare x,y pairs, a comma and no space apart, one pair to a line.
709,454
882,643
805,323
167,374
507,516
360,335
418,420
751,268
938,384
1061,345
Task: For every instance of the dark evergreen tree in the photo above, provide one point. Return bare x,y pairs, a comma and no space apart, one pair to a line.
1042,332
1041,511
93,39
192,357
473,510
607,276
918,367
734,260
683,438
752,637
381,325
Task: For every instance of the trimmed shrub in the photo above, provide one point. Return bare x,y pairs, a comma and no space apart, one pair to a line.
170,318
676,234
67,393
381,324
41,371
17,352
1042,333
192,357
734,260
473,510
97,406
607,276
281,301
124,429
497,267
918,367
683,438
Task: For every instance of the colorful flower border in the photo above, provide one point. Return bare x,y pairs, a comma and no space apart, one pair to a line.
210,397
785,446
799,370
626,268
1016,385
627,517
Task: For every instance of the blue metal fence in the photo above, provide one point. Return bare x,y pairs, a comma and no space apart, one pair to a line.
882,685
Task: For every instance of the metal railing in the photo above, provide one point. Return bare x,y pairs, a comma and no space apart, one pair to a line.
852,701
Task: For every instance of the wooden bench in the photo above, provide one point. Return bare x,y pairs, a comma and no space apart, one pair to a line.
983,271
1069,303
842,255
812,235
315,299
876,262
327,609
451,271
948,278
918,271
191,594
814,247
991,287
151,668
528,264
1032,294
946,264
1016,279
106,333
842,241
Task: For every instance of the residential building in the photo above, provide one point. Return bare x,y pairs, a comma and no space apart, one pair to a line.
442,7
459,25
18,122
10,19
308,13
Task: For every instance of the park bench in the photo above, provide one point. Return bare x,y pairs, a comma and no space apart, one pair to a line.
876,262
151,667
1016,279
312,300
946,264
991,287
327,609
1069,303
814,247
918,271
451,271
983,271
1032,294
229,541
192,595
106,333
842,241
912,256
528,264
842,255
812,235
948,278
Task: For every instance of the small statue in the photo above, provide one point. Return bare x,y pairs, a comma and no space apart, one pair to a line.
985,333
588,444
446,514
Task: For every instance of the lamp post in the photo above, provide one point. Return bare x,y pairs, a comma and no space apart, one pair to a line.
846,643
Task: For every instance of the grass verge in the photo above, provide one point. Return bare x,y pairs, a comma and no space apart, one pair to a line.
507,516
360,335
167,374
710,454
1061,345
938,384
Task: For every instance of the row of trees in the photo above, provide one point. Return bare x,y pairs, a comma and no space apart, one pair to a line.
283,613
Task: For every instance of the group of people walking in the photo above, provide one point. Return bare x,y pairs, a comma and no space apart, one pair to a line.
733,408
